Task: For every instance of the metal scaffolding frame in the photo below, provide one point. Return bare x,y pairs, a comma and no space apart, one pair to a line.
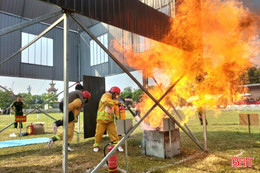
29,23
66,79
157,102
177,113
66,99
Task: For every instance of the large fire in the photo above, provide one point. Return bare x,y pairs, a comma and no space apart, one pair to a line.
215,42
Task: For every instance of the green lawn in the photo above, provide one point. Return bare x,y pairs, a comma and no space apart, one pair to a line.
226,139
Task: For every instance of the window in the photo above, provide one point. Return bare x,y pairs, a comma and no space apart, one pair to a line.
144,43
40,52
97,54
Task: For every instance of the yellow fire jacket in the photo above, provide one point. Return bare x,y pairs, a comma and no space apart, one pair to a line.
75,107
107,108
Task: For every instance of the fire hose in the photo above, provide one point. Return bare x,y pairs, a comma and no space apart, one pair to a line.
122,99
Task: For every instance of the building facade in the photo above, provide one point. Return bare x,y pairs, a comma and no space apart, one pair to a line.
44,58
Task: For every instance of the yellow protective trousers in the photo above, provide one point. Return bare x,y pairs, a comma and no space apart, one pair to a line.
100,129
71,126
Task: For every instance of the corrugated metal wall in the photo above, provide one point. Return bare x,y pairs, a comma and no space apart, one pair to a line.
11,43
130,15
8,45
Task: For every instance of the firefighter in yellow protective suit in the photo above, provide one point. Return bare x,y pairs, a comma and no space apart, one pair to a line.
107,111
75,107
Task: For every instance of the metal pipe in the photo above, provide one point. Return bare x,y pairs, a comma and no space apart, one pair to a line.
204,129
65,100
249,132
173,119
78,76
46,114
131,130
170,139
29,23
34,40
173,107
78,127
135,80
184,123
126,158
131,111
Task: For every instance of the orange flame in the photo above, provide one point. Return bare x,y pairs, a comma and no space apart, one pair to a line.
214,42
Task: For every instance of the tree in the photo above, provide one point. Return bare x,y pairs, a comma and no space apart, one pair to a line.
36,100
27,99
253,75
5,99
137,94
127,89
46,97
257,76
127,92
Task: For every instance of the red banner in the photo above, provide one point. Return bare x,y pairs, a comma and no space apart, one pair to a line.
20,118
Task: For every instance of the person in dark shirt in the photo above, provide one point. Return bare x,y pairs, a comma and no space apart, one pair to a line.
17,107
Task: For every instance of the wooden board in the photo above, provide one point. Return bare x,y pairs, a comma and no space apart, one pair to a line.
243,119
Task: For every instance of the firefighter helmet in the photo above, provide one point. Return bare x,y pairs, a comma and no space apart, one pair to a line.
86,94
115,90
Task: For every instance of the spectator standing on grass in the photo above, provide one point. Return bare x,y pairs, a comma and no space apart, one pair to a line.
17,107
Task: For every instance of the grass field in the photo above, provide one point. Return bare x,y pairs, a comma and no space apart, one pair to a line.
226,139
